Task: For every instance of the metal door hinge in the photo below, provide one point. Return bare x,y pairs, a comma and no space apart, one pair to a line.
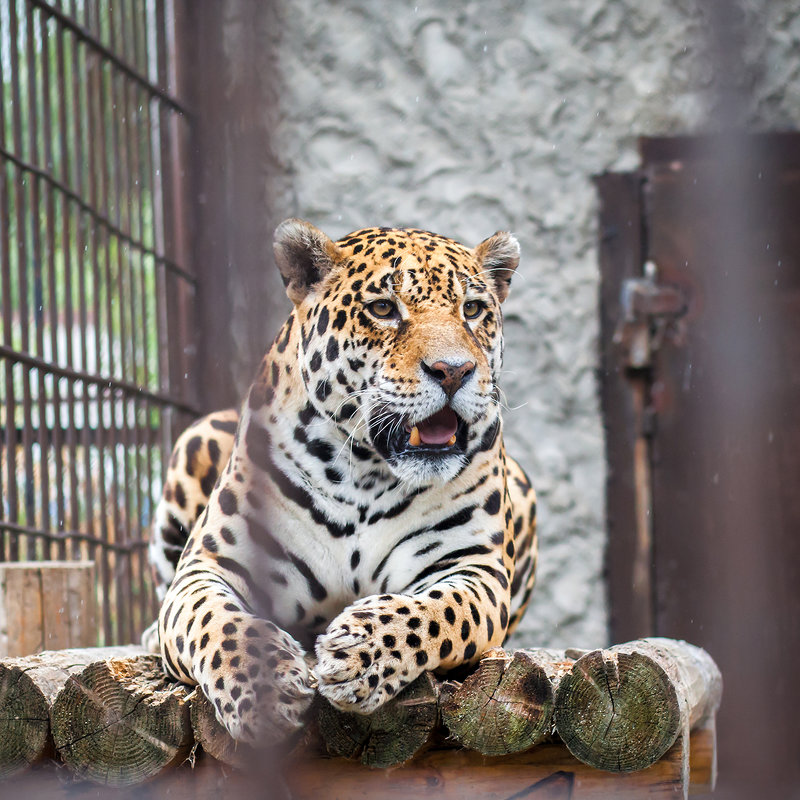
650,311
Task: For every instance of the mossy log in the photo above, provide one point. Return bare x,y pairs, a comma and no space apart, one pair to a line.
391,735
120,721
505,705
28,687
621,709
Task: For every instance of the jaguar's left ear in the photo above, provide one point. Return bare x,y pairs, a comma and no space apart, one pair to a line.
304,255
498,256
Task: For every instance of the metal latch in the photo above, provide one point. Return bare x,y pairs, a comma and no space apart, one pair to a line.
650,311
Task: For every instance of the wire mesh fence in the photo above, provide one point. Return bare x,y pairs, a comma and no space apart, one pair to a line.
96,300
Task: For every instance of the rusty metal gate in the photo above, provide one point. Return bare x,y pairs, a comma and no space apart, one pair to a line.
700,307
96,293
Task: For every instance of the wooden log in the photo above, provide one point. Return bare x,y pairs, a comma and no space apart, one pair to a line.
621,709
257,771
214,739
47,605
506,704
28,687
389,736
119,722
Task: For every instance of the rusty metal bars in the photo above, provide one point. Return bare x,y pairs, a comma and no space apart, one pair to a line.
95,296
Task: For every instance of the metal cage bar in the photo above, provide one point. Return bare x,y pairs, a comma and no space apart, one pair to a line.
96,296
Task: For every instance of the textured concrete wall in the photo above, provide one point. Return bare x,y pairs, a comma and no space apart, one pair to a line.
468,117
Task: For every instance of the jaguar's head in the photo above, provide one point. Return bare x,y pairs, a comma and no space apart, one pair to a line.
402,339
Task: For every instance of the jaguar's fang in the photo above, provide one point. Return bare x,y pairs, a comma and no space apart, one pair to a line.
451,441
414,439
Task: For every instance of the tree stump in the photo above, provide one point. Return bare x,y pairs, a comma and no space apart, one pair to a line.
118,722
28,687
506,704
389,736
46,605
621,709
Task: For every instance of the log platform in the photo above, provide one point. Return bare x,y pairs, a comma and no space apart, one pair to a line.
529,723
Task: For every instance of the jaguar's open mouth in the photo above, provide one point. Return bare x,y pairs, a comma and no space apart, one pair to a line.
443,433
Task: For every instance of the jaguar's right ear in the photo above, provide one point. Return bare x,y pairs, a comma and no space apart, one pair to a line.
304,255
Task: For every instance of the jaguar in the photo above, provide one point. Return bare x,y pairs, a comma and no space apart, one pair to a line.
357,521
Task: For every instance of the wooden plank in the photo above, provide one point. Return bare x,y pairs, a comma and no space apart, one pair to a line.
207,780
546,772
628,556
703,758
46,605
21,624
55,608
81,607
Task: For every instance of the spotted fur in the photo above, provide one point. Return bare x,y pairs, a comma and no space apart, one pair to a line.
365,511
199,455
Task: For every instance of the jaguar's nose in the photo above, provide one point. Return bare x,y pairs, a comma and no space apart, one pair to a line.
450,377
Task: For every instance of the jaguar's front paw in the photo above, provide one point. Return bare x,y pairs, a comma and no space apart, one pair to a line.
261,687
370,652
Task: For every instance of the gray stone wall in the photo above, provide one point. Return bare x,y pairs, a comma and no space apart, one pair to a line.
468,117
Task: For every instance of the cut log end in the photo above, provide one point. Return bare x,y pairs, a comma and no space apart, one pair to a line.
505,706
617,711
25,721
28,687
118,722
621,709
389,736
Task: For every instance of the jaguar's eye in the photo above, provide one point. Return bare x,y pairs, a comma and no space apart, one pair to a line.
473,308
383,309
